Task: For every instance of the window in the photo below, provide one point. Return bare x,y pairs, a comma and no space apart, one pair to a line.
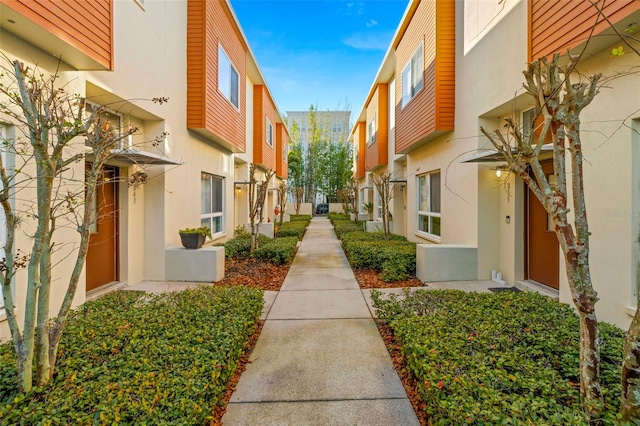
285,152
429,216
412,76
337,127
269,132
228,78
527,122
371,131
378,205
361,201
212,200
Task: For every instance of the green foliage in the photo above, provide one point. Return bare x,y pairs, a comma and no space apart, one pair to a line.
396,258
302,217
277,251
240,247
132,358
203,230
344,226
498,358
292,229
333,216
241,232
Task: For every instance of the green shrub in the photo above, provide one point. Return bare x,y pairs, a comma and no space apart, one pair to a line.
292,229
370,236
240,247
302,217
342,227
396,258
498,358
133,358
338,216
277,251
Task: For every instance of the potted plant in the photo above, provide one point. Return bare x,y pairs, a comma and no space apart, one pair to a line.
193,238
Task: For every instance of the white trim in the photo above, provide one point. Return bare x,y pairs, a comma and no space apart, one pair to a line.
408,71
235,70
428,213
269,132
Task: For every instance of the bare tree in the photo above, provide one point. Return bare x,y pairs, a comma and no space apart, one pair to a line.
560,100
282,199
299,195
385,188
51,120
257,195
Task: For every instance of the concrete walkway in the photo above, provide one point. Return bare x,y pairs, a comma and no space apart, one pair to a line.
319,359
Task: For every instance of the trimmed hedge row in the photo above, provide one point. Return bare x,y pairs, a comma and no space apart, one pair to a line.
338,216
395,259
277,251
498,358
342,226
292,229
300,217
132,358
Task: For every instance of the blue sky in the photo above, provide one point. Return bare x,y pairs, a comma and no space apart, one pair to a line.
319,52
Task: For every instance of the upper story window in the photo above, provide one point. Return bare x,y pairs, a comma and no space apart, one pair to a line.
371,131
228,78
269,133
429,216
412,76
285,152
337,127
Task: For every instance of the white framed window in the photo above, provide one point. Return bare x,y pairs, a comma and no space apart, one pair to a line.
371,130
212,202
412,76
429,215
337,127
378,205
528,117
269,133
228,78
361,201
285,152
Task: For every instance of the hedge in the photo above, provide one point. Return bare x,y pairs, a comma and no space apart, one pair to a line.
396,258
300,217
240,247
277,251
498,358
338,216
342,227
292,229
134,358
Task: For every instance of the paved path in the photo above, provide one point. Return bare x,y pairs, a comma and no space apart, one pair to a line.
319,359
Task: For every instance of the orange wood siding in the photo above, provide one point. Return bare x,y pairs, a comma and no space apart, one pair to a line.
555,26
359,138
85,25
209,25
431,111
282,144
263,108
377,152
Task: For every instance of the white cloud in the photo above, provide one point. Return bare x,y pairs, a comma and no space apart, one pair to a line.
365,41
371,23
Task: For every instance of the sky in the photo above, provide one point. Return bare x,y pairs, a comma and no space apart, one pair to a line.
324,53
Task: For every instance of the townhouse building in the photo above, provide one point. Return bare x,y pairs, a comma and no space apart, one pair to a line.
187,164
454,66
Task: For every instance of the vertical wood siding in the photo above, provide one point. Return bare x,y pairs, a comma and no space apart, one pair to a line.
210,24
555,26
432,109
85,25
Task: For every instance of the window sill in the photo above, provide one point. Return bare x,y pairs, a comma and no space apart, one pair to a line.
428,237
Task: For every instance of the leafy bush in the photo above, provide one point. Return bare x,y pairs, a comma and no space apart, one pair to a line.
370,236
342,227
277,251
498,358
338,216
240,246
396,258
292,229
300,217
132,358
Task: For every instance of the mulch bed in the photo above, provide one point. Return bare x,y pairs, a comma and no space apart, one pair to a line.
254,273
369,278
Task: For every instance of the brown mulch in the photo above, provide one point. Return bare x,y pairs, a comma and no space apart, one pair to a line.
254,273
369,278
399,364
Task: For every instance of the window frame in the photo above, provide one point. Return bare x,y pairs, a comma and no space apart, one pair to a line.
371,130
408,70
232,69
429,214
212,215
268,132
91,107
285,152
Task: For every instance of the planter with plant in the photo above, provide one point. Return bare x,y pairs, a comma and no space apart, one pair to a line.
194,238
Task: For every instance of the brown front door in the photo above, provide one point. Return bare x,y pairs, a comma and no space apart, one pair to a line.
543,251
102,256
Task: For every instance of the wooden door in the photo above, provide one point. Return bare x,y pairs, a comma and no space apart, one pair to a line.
102,256
543,250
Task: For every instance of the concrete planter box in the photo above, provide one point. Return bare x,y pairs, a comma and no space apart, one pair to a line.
266,228
376,225
446,262
205,264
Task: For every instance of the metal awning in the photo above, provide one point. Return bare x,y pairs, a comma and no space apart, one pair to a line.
130,156
492,155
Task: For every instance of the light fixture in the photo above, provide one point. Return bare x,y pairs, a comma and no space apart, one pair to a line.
238,189
500,169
